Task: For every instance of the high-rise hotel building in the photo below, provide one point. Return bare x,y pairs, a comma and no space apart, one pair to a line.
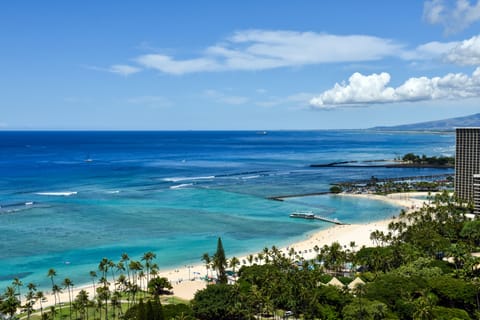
476,193
467,165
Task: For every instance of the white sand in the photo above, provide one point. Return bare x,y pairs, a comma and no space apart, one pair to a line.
186,280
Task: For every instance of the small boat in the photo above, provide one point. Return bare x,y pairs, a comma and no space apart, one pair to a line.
262,132
303,214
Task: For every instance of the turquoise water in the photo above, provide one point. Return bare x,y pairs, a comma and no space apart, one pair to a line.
174,193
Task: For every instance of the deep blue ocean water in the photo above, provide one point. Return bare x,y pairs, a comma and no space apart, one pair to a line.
98,194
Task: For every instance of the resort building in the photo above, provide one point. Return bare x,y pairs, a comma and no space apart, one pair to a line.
467,164
476,193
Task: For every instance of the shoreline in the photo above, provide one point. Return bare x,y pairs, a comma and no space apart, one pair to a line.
186,280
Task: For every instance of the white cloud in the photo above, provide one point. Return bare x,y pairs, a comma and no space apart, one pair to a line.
430,50
224,98
264,49
123,69
364,90
466,52
166,64
253,50
453,15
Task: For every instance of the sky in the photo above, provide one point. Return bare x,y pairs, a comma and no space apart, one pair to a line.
236,65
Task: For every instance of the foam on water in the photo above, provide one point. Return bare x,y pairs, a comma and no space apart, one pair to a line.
179,179
181,186
57,194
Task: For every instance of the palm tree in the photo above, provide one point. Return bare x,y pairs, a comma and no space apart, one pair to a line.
182,316
120,267
424,307
154,271
250,259
206,259
99,304
82,303
56,290
29,302
291,252
17,283
93,275
233,263
125,260
275,253
104,293
115,301
10,302
132,289
52,273
260,257
53,311
135,266
148,258
40,297
103,267
67,284
266,254
359,291
112,266
334,257
32,288
141,277
159,286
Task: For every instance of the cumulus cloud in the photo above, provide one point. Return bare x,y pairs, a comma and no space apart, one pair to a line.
466,52
264,49
453,15
363,90
225,98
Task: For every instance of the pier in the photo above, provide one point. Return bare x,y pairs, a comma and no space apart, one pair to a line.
298,195
312,216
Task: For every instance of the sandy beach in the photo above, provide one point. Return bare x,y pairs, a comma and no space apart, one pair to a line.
187,280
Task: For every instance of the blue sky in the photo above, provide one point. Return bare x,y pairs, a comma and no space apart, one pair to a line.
202,65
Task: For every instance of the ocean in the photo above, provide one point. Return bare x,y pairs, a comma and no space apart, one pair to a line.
68,199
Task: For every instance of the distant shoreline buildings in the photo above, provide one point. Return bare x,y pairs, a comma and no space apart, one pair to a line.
467,166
